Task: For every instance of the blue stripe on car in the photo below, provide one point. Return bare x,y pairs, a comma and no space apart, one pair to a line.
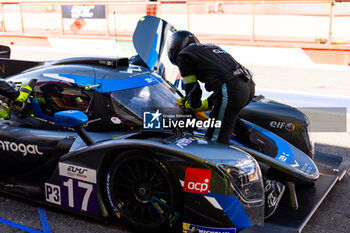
284,153
122,84
108,85
153,55
233,209
80,80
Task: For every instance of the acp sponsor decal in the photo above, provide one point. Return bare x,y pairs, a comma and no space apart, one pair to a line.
188,227
282,125
25,149
197,180
77,172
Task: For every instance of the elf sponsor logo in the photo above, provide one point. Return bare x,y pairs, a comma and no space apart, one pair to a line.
21,147
77,172
282,125
197,180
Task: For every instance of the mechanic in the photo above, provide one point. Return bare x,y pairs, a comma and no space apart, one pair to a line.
231,83
12,94
232,87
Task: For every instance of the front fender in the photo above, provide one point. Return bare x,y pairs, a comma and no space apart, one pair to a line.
188,163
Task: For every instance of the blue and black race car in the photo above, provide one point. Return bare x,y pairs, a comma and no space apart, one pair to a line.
92,139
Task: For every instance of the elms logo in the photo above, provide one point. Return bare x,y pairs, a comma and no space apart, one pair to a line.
197,180
152,120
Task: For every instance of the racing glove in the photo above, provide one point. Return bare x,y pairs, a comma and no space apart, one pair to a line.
24,92
4,112
182,102
201,116
204,107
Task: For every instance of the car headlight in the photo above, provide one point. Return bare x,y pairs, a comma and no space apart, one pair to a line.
246,179
247,185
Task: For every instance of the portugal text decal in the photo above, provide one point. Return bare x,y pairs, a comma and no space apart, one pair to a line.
22,148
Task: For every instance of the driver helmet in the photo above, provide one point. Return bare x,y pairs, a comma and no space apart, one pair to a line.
178,41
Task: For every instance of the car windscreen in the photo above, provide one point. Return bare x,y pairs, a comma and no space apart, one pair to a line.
147,98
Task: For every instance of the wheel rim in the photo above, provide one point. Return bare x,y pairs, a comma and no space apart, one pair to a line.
142,191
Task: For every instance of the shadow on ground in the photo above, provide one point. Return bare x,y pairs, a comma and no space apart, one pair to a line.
333,215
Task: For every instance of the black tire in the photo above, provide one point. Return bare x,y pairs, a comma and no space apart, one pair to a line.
143,193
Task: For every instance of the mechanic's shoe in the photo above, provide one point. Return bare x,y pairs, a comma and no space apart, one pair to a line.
273,193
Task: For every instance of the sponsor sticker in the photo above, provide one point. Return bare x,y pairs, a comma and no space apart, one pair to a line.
108,184
76,189
197,180
188,227
53,193
83,11
282,125
116,120
184,142
284,157
77,172
290,127
25,149
78,195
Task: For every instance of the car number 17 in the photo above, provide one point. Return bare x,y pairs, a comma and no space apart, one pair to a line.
86,186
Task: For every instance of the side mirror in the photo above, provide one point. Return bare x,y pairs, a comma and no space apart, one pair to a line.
5,51
74,119
70,118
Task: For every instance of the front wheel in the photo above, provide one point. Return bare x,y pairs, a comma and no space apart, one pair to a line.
143,193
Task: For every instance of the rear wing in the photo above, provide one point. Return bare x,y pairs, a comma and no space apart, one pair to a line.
5,51
10,67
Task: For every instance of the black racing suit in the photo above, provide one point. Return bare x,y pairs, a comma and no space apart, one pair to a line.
8,91
214,67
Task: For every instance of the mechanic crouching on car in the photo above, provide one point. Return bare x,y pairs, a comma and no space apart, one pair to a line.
11,93
232,86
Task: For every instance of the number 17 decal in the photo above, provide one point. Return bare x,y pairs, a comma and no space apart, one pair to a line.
79,195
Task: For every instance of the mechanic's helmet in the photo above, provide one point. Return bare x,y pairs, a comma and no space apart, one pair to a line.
178,41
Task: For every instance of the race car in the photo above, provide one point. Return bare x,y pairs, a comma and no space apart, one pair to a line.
97,137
